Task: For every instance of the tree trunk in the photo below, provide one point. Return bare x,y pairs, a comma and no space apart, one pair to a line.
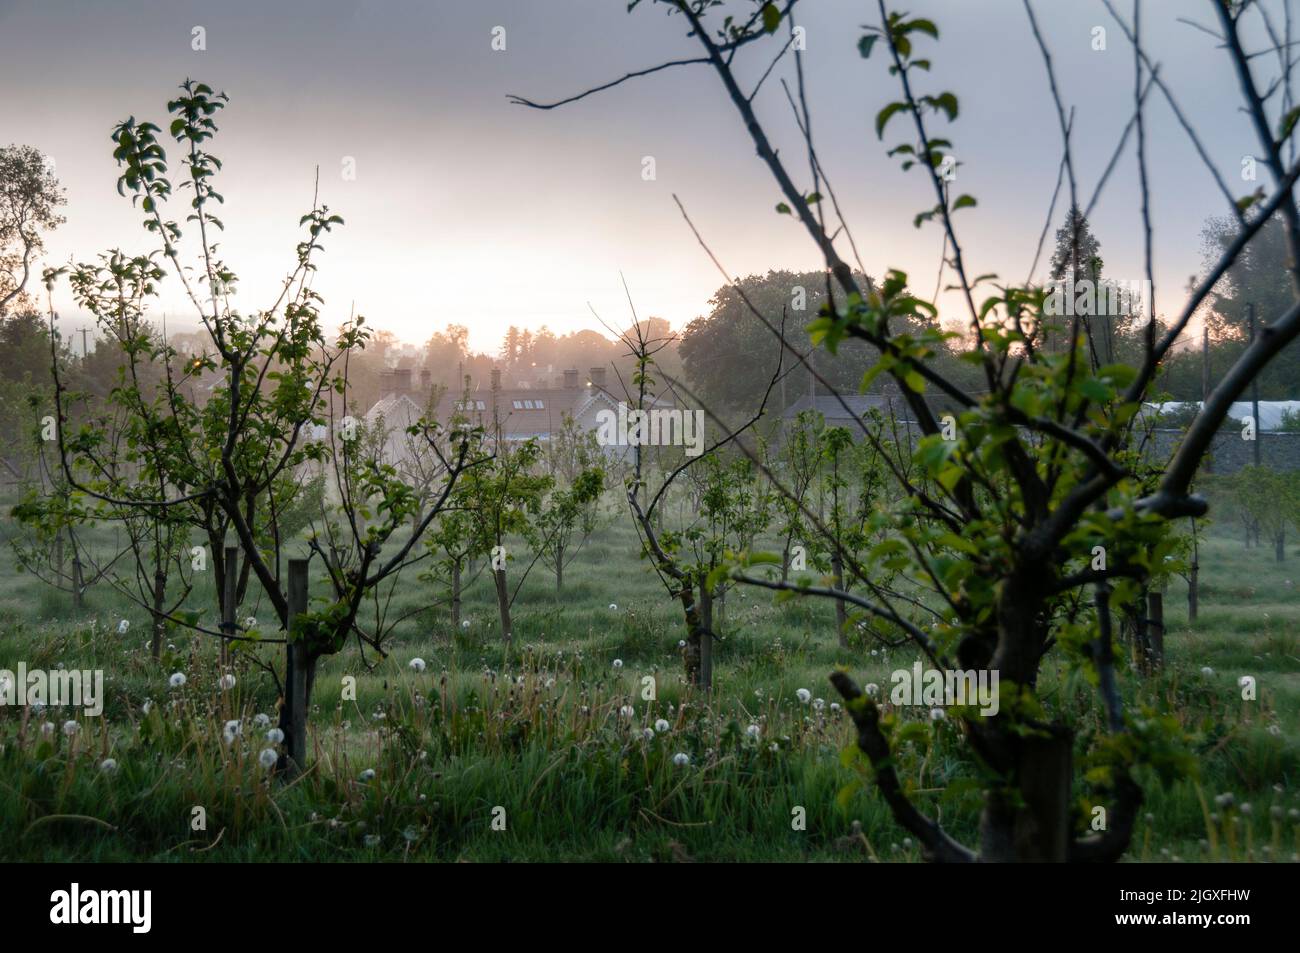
159,602
704,678
78,581
559,567
503,603
229,602
1279,545
841,613
455,595
1031,823
299,677
1142,634
1193,592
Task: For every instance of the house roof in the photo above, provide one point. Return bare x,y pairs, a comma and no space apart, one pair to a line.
397,410
524,411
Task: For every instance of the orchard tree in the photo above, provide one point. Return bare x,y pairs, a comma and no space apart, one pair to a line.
504,497
1025,523
569,510
277,389
30,196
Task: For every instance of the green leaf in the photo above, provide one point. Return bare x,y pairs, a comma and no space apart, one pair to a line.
914,381
963,201
921,25
948,103
1288,122
866,43
885,115
783,209
771,17
1247,201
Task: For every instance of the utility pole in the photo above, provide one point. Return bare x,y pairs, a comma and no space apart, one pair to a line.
1205,364
85,348
1254,386
1205,381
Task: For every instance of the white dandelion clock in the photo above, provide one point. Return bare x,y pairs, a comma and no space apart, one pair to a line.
108,765
70,728
275,736
754,731
123,626
367,775
648,734
613,607
873,689
465,624
227,682
803,695
627,711
267,759
177,679
681,759
618,663
661,726
1207,671
262,720
416,665
232,731
936,714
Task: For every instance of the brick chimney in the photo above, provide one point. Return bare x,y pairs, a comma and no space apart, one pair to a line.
598,378
571,379
402,380
426,379
496,378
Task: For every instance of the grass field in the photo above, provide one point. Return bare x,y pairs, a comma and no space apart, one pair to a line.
430,765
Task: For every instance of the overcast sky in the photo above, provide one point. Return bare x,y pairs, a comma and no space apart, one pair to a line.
468,209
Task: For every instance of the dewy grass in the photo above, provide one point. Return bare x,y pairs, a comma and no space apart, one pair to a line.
549,751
